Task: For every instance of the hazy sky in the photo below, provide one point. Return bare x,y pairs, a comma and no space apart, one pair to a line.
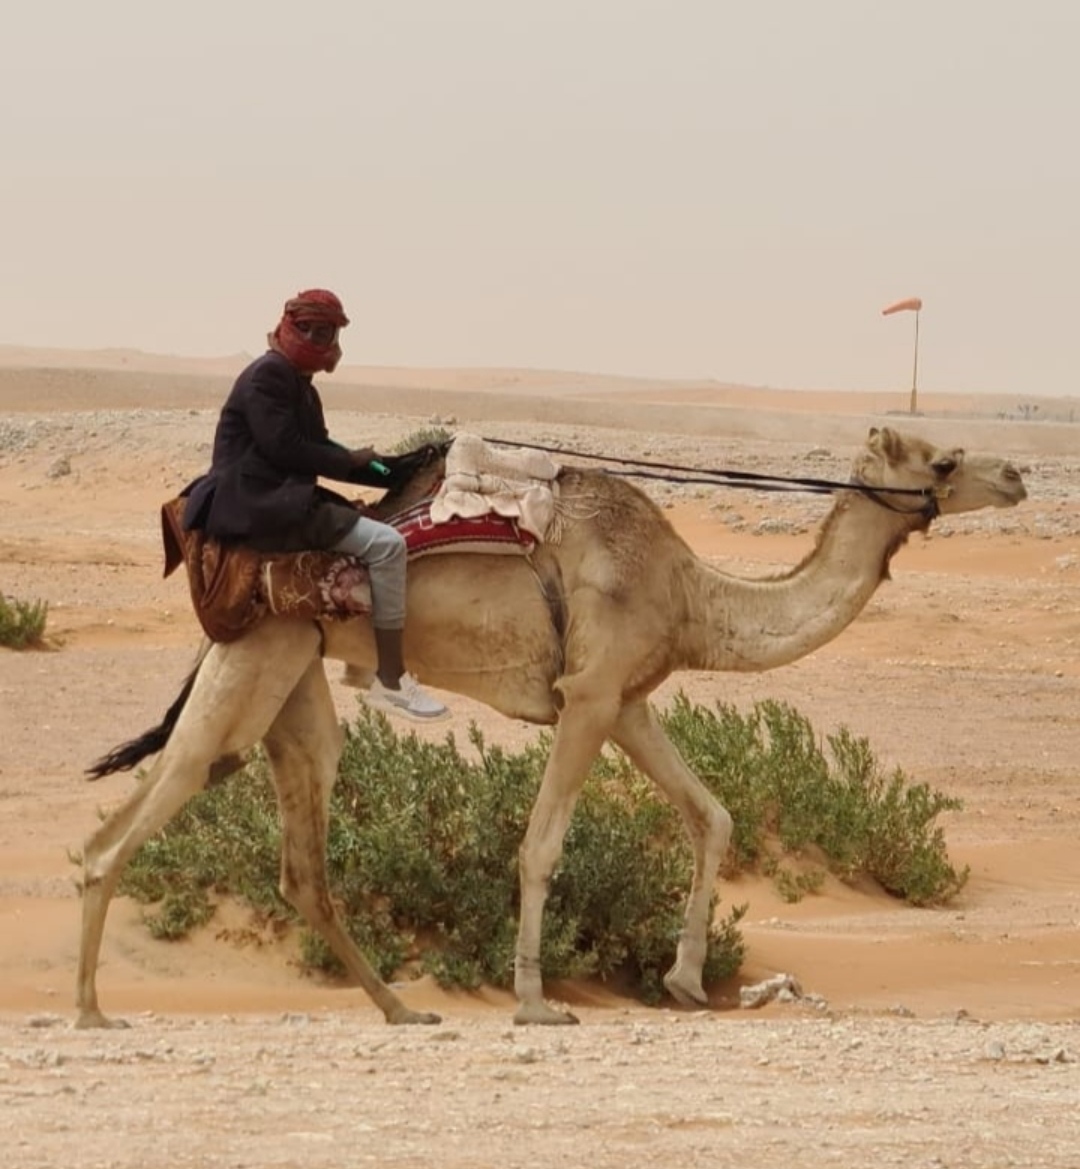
681,188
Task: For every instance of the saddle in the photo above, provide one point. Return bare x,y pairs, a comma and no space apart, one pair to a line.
234,587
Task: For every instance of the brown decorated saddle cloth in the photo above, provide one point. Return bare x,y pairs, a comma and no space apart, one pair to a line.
233,587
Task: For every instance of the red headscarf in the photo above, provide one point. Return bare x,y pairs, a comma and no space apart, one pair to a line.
315,306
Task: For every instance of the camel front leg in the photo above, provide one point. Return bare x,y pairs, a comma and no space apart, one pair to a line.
304,747
708,824
581,732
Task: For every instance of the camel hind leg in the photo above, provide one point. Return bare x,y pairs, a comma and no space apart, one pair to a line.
233,700
169,785
708,824
304,747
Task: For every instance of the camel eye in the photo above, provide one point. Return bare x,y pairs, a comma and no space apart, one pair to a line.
944,466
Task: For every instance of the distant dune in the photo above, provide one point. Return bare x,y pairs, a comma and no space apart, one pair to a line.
124,379
28,357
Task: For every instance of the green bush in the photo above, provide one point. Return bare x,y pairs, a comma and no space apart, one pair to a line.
425,436
423,843
22,623
783,789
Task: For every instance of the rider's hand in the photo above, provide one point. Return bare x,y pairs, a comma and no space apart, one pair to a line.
363,456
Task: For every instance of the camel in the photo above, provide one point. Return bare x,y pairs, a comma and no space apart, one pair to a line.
577,635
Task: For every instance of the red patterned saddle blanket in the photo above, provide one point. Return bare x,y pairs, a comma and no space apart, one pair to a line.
331,584
234,587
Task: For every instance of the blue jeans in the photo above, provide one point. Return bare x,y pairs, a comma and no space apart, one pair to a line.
381,550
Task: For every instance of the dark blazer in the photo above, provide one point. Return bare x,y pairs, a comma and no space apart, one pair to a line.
270,446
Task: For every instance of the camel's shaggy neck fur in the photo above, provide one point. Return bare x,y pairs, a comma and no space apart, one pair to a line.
578,636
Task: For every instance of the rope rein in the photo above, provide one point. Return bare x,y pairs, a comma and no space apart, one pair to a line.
750,480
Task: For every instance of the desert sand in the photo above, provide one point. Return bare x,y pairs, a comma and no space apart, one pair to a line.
947,1036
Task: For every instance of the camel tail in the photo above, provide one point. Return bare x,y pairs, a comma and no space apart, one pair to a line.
127,755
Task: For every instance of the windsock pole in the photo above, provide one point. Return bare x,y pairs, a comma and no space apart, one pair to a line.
915,369
910,304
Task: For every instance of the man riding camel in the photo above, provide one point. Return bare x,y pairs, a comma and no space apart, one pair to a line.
270,447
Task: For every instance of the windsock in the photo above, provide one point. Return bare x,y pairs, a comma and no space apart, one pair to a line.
912,304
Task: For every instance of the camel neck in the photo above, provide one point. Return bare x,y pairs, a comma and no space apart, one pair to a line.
755,625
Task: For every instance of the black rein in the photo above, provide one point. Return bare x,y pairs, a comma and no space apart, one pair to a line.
750,480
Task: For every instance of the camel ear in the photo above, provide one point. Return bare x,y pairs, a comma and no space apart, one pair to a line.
887,441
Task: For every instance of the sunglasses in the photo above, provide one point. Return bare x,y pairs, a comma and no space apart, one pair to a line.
318,332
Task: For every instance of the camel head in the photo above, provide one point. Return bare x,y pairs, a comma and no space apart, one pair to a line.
959,482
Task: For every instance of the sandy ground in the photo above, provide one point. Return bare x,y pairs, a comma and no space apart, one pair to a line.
950,1036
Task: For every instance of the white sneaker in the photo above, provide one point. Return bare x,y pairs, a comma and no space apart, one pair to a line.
411,700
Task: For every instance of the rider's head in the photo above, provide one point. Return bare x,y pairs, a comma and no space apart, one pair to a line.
307,334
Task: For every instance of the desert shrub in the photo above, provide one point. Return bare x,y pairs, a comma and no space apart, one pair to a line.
227,839
22,623
422,846
422,857
425,436
790,795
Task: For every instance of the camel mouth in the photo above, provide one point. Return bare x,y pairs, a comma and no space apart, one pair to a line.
1009,497
1010,489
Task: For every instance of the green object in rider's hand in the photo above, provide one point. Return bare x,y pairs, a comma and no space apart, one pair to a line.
379,468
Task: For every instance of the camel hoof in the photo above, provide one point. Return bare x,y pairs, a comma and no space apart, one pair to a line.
540,1014
91,1020
407,1018
687,992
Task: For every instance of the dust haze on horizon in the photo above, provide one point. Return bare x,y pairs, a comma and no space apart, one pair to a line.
655,188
